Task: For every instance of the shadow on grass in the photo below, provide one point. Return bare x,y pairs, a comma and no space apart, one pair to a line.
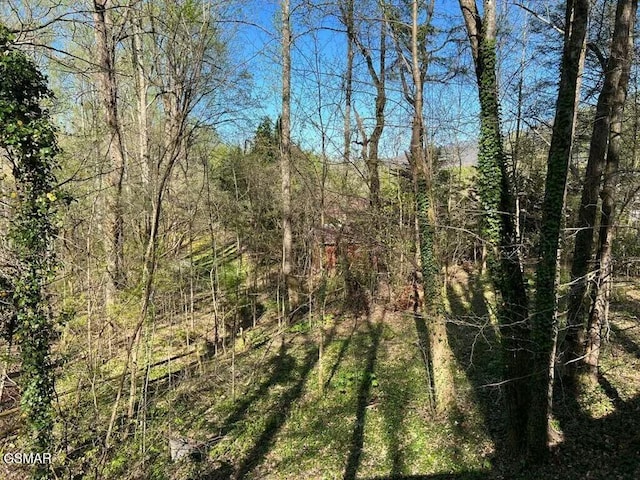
393,411
280,412
597,449
286,370
423,344
627,307
437,476
343,349
625,341
476,349
364,392
601,448
610,391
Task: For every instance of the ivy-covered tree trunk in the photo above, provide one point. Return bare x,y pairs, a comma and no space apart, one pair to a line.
613,91
544,318
441,357
28,142
498,227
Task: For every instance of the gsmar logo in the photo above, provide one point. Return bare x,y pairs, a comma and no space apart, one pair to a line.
26,458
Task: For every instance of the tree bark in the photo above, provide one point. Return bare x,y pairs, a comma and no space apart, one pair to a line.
285,160
422,166
180,82
347,16
544,318
143,134
113,221
621,58
373,142
614,86
499,228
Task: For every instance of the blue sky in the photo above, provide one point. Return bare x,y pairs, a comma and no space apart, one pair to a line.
318,65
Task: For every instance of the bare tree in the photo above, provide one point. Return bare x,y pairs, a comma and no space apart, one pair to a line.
285,159
181,45
370,143
106,37
604,142
620,61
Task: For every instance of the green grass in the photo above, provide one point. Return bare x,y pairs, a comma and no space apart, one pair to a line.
362,410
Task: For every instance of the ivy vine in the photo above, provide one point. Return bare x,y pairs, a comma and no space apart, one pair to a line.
28,142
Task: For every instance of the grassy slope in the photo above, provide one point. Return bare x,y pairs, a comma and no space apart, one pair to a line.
362,410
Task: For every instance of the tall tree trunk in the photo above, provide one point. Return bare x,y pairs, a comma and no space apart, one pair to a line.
174,148
621,58
379,81
422,165
370,144
544,319
499,228
113,222
180,82
143,134
614,86
285,160
347,15
617,73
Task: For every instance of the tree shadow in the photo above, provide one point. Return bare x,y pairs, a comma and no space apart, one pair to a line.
393,412
173,378
363,397
287,369
475,346
281,410
283,368
343,349
625,341
600,448
627,306
597,449
423,345
610,391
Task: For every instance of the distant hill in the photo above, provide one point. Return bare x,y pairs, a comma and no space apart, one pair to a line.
454,155
461,154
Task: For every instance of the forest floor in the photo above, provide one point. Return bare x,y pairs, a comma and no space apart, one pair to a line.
346,396
360,408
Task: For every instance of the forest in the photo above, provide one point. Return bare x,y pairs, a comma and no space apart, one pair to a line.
301,239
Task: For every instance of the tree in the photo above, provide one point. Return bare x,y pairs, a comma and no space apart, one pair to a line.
498,226
285,160
183,44
620,62
370,143
414,37
603,140
113,211
265,141
544,317
28,141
